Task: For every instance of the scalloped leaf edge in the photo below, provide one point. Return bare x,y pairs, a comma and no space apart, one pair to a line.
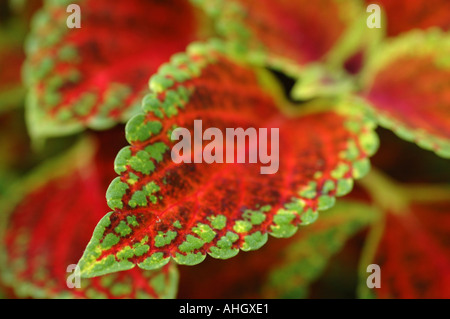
162,82
423,42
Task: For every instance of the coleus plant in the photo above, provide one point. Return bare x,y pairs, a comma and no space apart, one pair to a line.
160,65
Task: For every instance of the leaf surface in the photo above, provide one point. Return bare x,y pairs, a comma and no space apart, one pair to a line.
404,15
286,31
294,263
95,76
305,259
409,242
413,253
409,89
46,222
188,210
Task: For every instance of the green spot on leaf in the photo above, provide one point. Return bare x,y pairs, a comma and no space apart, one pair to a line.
157,150
369,142
283,227
141,162
328,186
204,232
163,239
309,217
138,130
123,229
121,161
155,261
115,193
138,199
132,221
218,222
159,83
189,259
242,226
254,241
125,253
191,243
340,171
344,186
177,224
309,191
361,168
325,202
223,248
109,241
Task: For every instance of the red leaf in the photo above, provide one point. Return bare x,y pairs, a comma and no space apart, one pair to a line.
187,210
410,89
96,76
410,242
52,216
414,253
305,260
302,31
238,278
290,266
404,15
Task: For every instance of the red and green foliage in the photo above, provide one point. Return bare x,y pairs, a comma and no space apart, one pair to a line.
37,250
404,15
80,188
96,76
417,111
159,195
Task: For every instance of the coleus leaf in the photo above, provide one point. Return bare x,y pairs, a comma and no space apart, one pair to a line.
304,260
186,211
408,81
46,222
245,276
409,242
96,75
287,33
293,265
413,253
240,277
403,15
